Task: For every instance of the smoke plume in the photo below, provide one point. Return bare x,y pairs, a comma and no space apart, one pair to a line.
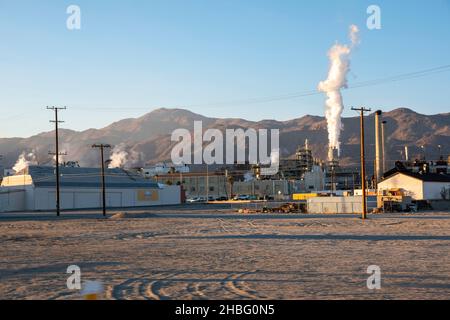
339,56
24,160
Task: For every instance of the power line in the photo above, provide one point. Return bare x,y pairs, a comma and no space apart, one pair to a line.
301,94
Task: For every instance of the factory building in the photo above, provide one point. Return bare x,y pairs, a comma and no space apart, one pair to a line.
195,184
218,184
34,189
420,186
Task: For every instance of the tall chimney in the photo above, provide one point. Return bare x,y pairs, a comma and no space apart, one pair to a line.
406,153
378,171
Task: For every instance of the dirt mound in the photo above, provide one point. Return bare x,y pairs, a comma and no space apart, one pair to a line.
121,215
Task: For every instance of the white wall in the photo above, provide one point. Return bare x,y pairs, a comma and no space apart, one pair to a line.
88,198
413,186
432,190
170,195
13,200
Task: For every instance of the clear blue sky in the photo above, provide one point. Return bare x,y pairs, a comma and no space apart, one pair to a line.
134,56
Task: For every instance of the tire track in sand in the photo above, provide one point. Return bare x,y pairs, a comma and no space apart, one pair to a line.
235,284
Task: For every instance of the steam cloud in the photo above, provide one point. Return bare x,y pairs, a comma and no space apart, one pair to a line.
121,158
24,161
339,56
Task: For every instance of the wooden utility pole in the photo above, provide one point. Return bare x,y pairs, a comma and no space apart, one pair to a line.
57,154
102,147
363,162
207,183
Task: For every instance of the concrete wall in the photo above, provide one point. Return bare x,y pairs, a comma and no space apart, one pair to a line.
414,187
443,205
339,204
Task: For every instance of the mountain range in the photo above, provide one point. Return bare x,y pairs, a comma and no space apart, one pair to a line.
146,139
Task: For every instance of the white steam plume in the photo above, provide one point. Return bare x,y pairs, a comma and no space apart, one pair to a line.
339,56
118,157
61,158
24,160
121,158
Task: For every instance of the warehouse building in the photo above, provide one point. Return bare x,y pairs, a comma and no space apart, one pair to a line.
420,186
34,189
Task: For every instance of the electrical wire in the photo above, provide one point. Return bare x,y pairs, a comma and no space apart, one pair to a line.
296,95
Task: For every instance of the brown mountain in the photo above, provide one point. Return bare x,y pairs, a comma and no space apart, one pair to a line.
147,138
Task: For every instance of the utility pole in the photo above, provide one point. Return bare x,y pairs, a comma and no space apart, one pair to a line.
378,147
207,183
102,147
57,154
363,162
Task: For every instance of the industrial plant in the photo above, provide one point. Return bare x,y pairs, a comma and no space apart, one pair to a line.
314,185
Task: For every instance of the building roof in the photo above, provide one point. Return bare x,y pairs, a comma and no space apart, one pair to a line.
427,177
43,176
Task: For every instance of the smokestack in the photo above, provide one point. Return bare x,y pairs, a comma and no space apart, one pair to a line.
383,146
406,153
378,170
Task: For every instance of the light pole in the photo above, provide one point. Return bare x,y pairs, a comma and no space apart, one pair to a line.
423,152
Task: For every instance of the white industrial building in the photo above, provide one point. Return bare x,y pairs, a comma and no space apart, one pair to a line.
420,186
164,168
34,189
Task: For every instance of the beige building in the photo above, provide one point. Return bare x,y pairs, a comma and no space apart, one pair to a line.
196,184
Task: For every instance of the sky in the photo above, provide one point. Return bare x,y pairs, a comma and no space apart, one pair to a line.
217,58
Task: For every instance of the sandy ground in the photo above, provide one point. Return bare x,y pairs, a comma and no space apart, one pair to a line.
194,253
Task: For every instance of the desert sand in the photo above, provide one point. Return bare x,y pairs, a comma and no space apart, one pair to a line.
200,252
